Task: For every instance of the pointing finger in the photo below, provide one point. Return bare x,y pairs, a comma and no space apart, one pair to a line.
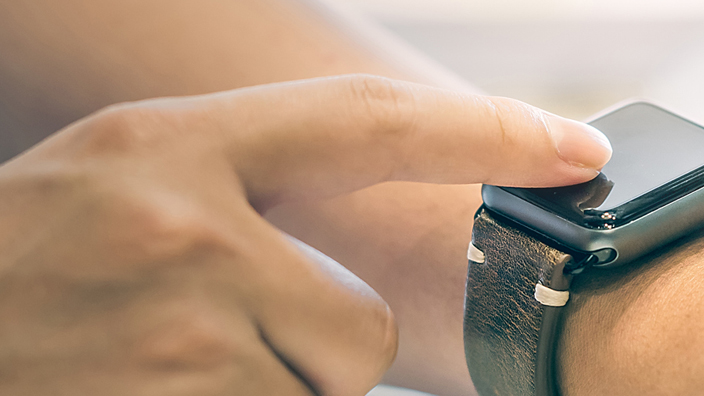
323,137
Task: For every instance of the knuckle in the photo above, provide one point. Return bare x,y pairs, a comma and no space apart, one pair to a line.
48,180
387,107
120,128
515,119
190,340
166,228
386,344
502,116
373,353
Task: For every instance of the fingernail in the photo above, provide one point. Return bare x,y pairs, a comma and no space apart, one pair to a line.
579,144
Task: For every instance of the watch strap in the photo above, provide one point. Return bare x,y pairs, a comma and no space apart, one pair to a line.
509,335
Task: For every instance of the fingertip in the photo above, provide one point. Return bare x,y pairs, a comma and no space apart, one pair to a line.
579,144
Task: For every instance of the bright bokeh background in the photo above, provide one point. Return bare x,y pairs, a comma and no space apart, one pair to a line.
501,10
571,57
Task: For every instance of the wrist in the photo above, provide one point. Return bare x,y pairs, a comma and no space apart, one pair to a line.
636,329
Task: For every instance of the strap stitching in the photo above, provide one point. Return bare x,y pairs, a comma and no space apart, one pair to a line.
550,297
474,254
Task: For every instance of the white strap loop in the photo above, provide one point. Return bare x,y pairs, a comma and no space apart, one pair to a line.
550,297
474,254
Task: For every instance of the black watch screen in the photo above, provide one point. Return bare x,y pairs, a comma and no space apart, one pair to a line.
657,158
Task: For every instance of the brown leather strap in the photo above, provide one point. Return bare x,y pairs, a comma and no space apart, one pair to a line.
508,335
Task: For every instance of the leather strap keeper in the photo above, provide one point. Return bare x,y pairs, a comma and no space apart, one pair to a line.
509,336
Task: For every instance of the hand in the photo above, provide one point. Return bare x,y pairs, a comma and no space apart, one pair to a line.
134,260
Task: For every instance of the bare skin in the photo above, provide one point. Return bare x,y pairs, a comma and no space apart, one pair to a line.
135,261
406,240
638,330
44,89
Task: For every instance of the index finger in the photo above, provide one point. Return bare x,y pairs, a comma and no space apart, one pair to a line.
323,137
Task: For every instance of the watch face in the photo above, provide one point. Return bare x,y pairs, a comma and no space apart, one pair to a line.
657,158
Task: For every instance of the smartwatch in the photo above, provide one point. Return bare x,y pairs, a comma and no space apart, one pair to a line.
528,243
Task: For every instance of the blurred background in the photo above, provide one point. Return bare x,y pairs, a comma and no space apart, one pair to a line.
571,57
